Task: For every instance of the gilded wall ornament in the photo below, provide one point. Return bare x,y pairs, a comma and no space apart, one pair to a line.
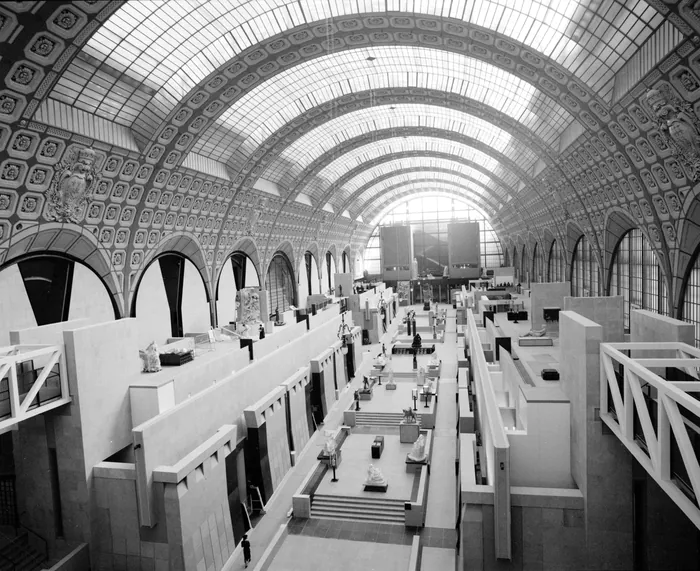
679,125
71,186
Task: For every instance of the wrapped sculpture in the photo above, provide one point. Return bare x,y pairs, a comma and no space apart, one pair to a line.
417,453
375,481
150,358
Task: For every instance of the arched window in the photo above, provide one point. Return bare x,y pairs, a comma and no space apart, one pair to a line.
555,263
280,284
636,275
690,303
585,272
429,218
537,265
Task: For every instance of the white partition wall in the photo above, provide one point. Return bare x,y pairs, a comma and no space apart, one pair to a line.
89,298
226,296
15,309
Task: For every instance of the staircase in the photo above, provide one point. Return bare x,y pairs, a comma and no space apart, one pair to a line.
18,555
358,509
381,418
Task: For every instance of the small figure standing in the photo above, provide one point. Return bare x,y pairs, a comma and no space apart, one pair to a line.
262,331
245,544
383,350
356,396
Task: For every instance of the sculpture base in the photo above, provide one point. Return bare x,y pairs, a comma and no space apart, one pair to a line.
414,466
390,386
376,487
409,432
326,459
366,394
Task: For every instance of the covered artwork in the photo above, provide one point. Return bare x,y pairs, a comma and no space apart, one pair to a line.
248,305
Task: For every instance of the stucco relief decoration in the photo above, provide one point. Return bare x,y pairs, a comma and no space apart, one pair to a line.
71,186
679,125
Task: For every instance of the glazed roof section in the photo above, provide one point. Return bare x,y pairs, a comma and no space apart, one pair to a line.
151,53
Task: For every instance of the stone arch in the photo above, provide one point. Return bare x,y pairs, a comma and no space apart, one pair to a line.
248,247
75,242
181,243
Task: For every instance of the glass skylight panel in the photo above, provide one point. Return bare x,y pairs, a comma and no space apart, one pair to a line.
158,41
346,127
270,106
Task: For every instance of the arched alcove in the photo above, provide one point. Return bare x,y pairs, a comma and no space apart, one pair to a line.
238,272
44,288
279,284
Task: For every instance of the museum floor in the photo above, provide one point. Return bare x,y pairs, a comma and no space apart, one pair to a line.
283,543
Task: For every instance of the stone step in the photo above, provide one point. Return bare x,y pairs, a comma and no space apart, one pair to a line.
364,518
358,510
370,502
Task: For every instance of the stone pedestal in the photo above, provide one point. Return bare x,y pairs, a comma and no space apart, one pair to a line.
390,386
366,395
413,467
409,432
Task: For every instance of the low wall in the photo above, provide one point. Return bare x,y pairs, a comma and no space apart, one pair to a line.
76,560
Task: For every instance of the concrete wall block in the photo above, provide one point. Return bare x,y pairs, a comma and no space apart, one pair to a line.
532,537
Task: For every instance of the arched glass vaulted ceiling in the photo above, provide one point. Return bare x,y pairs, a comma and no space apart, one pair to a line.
320,183
155,51
371,183
300,154
389,193
278,101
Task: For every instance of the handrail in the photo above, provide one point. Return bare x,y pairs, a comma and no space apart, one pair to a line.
40,538
630,406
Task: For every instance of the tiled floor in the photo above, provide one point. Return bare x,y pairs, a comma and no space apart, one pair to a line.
435,559
352,530
305,553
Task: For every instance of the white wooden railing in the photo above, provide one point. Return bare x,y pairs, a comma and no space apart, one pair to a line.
677,414
494,442
33,380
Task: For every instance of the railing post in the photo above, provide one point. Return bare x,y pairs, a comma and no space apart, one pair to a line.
627,422
664,439
13,387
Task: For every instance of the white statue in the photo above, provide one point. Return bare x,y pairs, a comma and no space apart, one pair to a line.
329,446
375,477
150,358
417,453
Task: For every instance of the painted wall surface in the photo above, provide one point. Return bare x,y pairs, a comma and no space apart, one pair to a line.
226,303
297,408
344,280
463,249
277,444
547,294
89,297
650,327
195,308
541,456
608,312
15,309
600,464
152,310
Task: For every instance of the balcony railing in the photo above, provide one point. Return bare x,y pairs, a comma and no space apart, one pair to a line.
33,380
657,419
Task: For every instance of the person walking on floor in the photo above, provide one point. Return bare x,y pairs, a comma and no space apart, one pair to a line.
246,550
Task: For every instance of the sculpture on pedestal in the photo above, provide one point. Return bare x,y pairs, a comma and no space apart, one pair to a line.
417,453
329,446
150,358
375,477
409,416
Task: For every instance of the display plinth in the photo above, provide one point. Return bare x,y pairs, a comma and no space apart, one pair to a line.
366,394
413,467
409,431
326,459
390,386
376,488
